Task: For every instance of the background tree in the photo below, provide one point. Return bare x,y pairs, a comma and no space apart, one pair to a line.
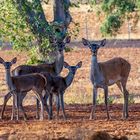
24,21
116,12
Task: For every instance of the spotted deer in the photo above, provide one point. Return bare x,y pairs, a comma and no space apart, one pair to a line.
59,84
104,74
20,85
54,68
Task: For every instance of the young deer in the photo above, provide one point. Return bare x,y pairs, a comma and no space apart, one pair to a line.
54,68
20,85
114,71
59,84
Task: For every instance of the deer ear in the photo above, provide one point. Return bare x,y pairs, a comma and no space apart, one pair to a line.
85,42
1,60
14,60
103,42
66,64
79,65
68,39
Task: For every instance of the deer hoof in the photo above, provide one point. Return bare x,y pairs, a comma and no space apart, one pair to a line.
12,118
37,117
108,119
91,117
1,117
25,119
65,118
41,119
50,118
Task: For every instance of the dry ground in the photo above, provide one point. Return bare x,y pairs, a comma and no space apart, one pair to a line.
79,92
77,126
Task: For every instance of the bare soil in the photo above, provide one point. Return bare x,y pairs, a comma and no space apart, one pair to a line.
76,125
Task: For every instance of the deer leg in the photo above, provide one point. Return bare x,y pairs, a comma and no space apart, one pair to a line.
50,106
13,107
119,86
6,98
57,105
45,98
125,110
17,105
21,97
126,96
62,105
106,101
40,98
37,108
94,103
23,112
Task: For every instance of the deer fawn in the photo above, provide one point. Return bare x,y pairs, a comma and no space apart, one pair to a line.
54,68
59,84
104,74
20,85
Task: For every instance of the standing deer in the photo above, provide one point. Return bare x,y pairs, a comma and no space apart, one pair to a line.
54,68
104,74
59,84
20,85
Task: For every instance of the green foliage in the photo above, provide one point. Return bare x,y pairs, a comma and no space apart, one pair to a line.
131,99
92,2
138,3
111,25
73,32
16,30
101,99
68,49
33,56
75,4
116,12
111,100
13,26
118,6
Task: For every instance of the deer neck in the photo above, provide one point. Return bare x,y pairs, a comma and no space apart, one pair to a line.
96,73
69,78
9,81
59,63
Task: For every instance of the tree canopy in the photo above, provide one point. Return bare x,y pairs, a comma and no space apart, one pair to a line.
23,22
116,12
13,26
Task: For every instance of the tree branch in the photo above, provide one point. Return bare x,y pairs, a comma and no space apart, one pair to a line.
35,16
62,17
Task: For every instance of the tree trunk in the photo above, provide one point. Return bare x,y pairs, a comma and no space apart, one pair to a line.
37,22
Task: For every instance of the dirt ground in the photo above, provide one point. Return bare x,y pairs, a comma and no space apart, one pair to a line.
78,126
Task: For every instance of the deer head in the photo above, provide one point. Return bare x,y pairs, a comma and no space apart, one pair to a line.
94,46
8,65
73,69
61,45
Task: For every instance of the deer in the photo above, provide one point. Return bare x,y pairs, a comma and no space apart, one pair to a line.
105,74
55,68
58,84
20,85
